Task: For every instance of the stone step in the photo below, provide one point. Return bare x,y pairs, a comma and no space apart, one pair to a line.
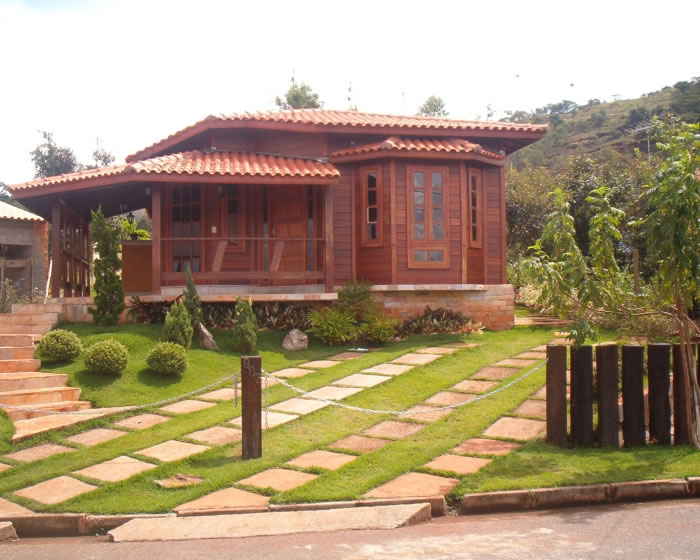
16,340
27,428
37,308
44,410
21,381
40,396
24,328
17,352
10,366
30,318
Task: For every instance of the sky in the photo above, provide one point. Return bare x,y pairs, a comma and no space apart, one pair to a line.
132,72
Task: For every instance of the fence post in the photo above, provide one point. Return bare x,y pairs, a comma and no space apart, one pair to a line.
633,429
582,395
608,395
251,367
681,422
659,368
556,395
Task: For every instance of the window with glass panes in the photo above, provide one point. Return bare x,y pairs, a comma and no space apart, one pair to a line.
427,205
371,206
185,208
474,196
233,206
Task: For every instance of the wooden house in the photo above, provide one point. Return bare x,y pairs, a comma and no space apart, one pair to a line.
291,205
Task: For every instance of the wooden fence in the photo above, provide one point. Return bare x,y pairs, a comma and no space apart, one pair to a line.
626,411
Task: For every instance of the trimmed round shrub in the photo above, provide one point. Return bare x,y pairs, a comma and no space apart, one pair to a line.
167,358
107,357
60,346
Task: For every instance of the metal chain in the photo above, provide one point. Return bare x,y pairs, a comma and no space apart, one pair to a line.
267,404
403,412
235,390
100,412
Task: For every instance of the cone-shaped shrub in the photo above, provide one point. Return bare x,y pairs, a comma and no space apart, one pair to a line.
178,327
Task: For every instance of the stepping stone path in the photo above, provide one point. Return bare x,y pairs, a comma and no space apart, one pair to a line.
520,429
172,450
299,406
115,470
457,464
448,398
4,467
216,435
516,362
292,372
361,380
359,444
39,452
320,364
321,459
348,355
491,372
388,369
278,479
481,446
424,413
534,408
416,359
10,509
273,419
142,421
391,429
439,350
187,406
96,436
225,394
474,386
55,490
412,485
228,500
333,393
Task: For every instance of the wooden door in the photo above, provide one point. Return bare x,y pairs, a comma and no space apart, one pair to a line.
287,219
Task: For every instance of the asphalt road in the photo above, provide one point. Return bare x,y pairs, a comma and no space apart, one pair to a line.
651,531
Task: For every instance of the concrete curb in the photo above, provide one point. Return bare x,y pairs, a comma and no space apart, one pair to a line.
570,496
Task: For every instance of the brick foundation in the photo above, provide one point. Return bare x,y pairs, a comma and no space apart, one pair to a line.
492,305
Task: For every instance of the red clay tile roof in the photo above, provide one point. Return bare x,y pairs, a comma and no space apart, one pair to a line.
349,120
396,144
9,212
197,164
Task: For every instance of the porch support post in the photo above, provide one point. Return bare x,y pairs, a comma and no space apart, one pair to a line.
56,256
328,232
155,238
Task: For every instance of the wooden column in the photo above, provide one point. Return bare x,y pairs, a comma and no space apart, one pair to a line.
464,219
329,268
251,367
556,395
156,224
633,428
392,214
659,369
56,249
681,421
582,395
608,397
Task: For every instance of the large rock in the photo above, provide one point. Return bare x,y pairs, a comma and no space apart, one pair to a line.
7,531
295,340
206,340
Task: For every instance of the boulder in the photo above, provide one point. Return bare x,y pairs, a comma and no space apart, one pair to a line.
295,340
180,481
206,340
7,531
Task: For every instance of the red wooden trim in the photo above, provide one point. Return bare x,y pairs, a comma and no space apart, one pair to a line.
480,210
156,224
328,234
245,275
463,212
364,172
392,209
56,249
353,223
504,274
469,156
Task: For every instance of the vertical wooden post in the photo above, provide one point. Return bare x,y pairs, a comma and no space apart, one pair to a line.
56,249
608,411
681,434
633,429
556,395
329,269
155,238
659,368
251,387
582,395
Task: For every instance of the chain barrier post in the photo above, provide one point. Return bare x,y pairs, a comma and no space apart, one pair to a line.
251,368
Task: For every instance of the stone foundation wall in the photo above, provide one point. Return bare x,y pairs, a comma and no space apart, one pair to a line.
492,305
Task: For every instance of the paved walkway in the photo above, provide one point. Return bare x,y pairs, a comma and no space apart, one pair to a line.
436,477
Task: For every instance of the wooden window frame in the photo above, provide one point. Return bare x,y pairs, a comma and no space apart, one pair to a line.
171,226
428,244
475,214
364,210
231,191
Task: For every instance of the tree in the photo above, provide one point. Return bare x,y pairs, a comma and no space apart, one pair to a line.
434,106
109,292
102,157
299,96
192,302
50,159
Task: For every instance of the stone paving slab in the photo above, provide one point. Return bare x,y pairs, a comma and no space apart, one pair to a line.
457,464
186,406
359,444
38,452
142,421
490,372
449,398
225,394
273,419
96,436
361,380
278,479
320,364
322,460
172,450
393,429
333,393
483,446
222,501
541,393
414,359
412,485
119,468
542,348
522,429
464,344
292,372
424,413
559,341
299,406
388,369
532,408
515,363
216,435
348,355
532,355
440,350
474,386
55,490
10,509
4,467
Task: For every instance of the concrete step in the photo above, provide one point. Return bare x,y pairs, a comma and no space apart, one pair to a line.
44,410
40,396
17,352
30,318
9,366
16,340
25,328
21,381
37,308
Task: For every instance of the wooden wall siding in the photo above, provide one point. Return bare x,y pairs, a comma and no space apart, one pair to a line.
290,144
342,226
239,141
374,263
494,228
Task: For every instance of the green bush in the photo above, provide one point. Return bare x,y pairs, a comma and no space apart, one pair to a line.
60,346
109,292
281,316
439,320
178,327
151,312
378,328
107,357
245,330
334,325
219,315
192,302
167,358
356,298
